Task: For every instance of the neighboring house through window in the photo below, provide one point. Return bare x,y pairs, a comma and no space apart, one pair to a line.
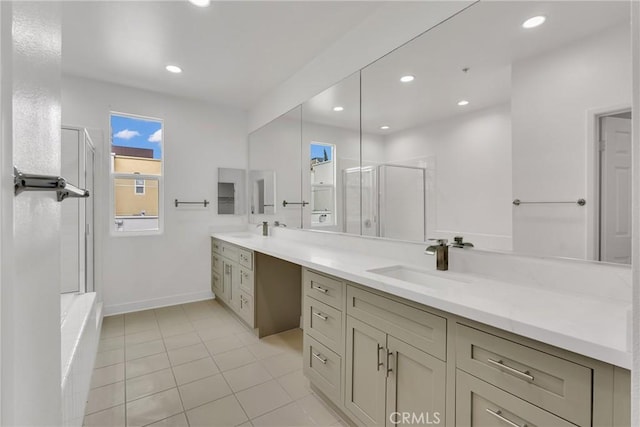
136,174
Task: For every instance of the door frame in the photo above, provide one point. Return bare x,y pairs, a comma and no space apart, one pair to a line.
593,173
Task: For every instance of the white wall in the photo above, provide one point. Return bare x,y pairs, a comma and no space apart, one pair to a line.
30,295
550,102
468,162
149,271
389,26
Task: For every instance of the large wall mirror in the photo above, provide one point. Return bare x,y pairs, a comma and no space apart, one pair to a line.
514,133
274,157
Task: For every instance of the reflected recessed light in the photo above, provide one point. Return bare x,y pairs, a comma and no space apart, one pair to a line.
463,103
200,3
173,69
534,22
385,127
338,108
407,79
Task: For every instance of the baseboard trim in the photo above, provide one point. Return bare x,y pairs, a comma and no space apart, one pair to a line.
110,310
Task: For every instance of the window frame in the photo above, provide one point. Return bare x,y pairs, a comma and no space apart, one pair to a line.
113,176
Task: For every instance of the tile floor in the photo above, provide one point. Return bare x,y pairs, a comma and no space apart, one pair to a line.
198,365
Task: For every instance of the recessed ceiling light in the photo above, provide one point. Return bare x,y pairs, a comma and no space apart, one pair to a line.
200,3
173,69
385,127
463,102
407,79
338,108
534,22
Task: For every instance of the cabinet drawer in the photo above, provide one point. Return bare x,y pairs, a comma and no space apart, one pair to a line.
245,258
552,383
423,330
324,288
229,251
246,280
481,404
216,246
324,323
245,308
323,367
216,263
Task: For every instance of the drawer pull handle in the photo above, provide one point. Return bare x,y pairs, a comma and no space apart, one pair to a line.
320,289
379,362
389,368
500,364
498,415
318,356
319,315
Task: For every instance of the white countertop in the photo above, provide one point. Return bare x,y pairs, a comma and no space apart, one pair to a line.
587,325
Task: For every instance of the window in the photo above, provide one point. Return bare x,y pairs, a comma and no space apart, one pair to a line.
323,184
136,174
139,186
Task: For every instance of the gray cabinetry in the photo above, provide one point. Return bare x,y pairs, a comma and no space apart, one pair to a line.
232,278
415,385
553,383
386,377
480,404
323,319
366,373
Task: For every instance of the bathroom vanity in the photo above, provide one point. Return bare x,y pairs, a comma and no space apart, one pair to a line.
379,345
256,298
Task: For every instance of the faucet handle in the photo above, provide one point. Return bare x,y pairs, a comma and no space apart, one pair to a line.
458,242
440,242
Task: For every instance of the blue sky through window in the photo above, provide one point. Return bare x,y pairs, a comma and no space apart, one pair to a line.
138,133
318,151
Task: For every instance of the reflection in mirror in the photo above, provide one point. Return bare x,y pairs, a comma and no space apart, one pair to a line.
231,191
323,185
480,111
331,154
274,154
263,192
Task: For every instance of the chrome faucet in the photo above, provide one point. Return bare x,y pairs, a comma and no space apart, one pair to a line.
265,228
441,251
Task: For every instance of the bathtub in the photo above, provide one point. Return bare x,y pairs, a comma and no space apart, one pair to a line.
80,323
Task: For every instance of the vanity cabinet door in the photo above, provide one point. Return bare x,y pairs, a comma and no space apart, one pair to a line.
415,386
365,384
227,279
216,284
234,298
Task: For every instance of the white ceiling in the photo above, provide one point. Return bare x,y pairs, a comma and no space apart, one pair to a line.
487,37
232,52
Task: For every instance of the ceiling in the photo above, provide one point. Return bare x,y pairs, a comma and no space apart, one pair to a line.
487,37
231,53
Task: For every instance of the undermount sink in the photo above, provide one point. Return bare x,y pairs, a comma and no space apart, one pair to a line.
241,235
418,276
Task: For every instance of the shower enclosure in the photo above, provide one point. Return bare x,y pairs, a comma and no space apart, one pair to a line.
392,201
78,155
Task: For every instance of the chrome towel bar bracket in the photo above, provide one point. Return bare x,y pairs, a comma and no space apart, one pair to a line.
32,182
